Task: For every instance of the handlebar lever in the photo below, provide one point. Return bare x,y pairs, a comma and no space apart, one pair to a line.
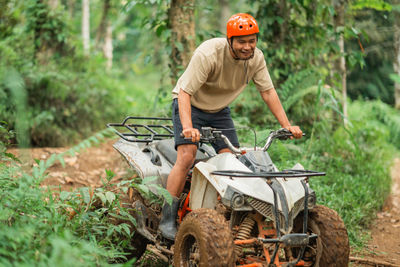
281,134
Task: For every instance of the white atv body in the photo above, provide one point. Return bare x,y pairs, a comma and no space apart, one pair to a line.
271,216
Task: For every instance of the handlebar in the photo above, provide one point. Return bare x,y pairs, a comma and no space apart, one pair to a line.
281,134
209,135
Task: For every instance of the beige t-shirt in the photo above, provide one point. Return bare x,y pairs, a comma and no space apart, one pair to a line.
214,78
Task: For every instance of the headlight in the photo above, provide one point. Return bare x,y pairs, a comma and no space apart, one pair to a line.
237,201
312,200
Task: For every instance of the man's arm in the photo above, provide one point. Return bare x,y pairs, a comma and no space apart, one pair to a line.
185,114
271,98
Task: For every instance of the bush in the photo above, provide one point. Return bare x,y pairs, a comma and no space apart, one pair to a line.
40,227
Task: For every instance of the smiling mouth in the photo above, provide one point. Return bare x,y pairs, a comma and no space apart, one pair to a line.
247,54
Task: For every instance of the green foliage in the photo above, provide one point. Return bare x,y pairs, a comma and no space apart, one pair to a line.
356,160
8,18
61,99
48,27
382,117
41,227
304,97
284,36
380,5
376,41
61,106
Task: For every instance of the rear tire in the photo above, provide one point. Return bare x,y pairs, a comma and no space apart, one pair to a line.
331,248
204,239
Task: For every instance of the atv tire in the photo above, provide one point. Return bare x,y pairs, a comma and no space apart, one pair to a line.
204,239
332,245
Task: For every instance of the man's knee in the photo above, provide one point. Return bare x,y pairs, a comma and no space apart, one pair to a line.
186,155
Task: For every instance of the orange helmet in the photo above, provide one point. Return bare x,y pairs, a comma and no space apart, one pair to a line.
241,24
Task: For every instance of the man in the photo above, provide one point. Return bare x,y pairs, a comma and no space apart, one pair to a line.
218,72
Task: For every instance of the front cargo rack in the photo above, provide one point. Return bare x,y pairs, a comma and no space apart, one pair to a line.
143,129
281,174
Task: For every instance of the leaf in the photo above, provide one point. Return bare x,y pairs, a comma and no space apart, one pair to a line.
143,188
160,29
395,77
179,46
126,228
149,179
64,195
165,194
110,174
129,216
110,230
12,156
50,161
85,195
110,196
35,172
102,197
61,160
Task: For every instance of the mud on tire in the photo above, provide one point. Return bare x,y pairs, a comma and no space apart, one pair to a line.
204,239
332,244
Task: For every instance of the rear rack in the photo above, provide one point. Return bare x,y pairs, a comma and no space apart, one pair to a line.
282,174
158,129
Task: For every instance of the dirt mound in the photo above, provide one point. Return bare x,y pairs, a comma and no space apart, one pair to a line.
83,169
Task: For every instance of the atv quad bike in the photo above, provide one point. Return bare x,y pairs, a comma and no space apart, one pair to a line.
237,209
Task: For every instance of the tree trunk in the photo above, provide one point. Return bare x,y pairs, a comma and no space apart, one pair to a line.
108,47
224,15
86,27
396,63
71,8
53,4
284,14
181,22
101,30
339,24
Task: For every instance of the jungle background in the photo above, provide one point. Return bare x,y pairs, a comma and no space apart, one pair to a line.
69,67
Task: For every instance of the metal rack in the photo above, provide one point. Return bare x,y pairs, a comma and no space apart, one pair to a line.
281,174
135,131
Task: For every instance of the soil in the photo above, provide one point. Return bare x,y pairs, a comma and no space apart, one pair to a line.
88,169
81,170
384,246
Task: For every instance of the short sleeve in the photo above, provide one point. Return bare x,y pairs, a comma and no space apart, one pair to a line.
196,73
261,77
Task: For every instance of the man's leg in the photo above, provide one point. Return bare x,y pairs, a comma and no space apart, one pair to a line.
224,150
175,185
177,176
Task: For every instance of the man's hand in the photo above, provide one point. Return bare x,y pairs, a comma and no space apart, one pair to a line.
192,133
296,131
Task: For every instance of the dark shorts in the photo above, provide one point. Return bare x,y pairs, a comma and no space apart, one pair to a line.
221,120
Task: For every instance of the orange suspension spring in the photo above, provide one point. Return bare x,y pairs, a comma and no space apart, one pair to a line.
244,232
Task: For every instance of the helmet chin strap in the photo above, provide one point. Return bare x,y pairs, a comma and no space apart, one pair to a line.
236,57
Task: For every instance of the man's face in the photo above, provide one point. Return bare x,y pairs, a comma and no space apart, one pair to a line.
243,46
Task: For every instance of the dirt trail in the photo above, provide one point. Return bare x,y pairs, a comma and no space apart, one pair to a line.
384,247
84,169
88,168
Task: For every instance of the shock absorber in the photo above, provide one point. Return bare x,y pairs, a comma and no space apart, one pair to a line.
244,232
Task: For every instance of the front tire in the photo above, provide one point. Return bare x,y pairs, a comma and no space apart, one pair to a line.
204,239
331,248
